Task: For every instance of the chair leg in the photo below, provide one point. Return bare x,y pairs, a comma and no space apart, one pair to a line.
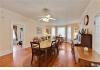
57,50
74,59
73,54
32,59
39,60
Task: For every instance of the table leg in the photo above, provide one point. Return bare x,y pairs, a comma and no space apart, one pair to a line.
46,55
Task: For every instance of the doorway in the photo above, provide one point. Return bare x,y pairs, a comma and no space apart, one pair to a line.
17,37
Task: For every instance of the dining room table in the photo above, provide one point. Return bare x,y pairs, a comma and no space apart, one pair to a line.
45,46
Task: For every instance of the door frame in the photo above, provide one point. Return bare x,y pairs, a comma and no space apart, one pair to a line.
21,25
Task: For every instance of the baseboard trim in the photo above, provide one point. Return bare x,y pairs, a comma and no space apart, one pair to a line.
5,52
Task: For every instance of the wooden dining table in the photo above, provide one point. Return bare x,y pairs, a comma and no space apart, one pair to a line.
88,55
44,45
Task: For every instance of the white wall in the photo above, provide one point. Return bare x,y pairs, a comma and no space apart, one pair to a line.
7,19
92,10
4,36
97,33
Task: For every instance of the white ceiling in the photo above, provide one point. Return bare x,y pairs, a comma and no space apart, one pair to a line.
62,10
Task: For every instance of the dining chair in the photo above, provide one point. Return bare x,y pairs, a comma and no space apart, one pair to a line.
72,50
51,50
55,46
36,51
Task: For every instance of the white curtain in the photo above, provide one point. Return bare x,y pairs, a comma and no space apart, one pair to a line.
69,33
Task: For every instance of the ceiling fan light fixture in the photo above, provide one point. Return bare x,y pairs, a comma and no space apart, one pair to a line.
47,16
46,20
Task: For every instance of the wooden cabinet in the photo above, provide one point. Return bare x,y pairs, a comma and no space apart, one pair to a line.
86,40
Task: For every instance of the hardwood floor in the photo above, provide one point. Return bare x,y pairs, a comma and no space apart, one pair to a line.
22,58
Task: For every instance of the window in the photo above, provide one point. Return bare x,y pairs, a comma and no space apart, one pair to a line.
61,31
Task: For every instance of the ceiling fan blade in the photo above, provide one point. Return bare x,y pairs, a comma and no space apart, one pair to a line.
44,19
52,18
41,16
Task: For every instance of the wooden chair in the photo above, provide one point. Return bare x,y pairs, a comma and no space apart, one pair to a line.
55,46
36,51
60,39
51,50
73,51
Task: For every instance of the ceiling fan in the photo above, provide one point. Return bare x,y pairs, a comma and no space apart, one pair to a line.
47,17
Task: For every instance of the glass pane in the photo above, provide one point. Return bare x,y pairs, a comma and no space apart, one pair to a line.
61,31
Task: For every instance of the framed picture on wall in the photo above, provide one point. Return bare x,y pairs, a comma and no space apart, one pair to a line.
47,31
39,30
86,20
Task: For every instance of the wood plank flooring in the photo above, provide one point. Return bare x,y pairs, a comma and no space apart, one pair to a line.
22,58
